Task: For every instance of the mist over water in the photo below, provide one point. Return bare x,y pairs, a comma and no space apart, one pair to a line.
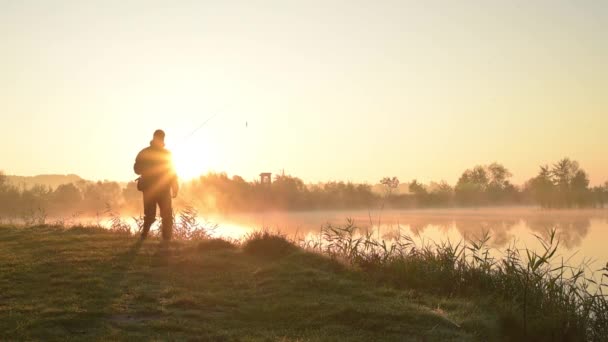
582,233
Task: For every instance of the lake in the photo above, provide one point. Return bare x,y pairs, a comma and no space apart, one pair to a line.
583,234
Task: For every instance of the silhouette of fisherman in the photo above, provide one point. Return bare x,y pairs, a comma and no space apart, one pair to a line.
158,182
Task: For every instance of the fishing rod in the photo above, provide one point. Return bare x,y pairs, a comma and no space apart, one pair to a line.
193,132
203,124
200,126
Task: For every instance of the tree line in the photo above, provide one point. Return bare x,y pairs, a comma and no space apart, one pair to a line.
77,198
563,184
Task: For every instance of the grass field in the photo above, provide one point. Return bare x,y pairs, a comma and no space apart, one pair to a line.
92,284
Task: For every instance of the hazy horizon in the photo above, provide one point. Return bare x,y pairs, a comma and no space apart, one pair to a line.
336,90
34,179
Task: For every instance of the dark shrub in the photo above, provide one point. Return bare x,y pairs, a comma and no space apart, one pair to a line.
215,244
267,244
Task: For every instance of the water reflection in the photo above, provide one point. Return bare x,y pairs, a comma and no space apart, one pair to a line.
577,230
571,231
571,226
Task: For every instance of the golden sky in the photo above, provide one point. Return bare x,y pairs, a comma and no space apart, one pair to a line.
349,90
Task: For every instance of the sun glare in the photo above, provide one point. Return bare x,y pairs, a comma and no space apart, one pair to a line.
189,162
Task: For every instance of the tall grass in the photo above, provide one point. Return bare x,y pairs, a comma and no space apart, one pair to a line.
188,227
34,216
117,224
540,297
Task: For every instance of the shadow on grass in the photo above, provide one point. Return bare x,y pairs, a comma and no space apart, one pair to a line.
114,285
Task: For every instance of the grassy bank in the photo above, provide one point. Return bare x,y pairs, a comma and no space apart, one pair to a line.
92,284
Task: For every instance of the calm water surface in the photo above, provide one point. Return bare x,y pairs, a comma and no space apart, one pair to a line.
582,233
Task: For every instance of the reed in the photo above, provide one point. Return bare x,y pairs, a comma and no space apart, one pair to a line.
541,298
188,227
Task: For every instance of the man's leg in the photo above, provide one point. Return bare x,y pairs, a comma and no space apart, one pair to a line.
166,213
149,213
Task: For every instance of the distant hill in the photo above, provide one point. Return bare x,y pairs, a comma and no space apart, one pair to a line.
47,180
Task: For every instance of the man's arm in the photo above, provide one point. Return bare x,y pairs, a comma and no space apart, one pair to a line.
137,167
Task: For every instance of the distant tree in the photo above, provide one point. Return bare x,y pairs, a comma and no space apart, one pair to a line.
604,194
579,187
364,195
132,197
98,195
498,175
7,199
288,192
499,189
37,197
3,180
542,187
471,187
563,172
441,194
417,188
66,197
565,184
600,195
390,184
419,191
240,193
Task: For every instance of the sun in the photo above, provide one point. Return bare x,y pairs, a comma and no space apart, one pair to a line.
190,161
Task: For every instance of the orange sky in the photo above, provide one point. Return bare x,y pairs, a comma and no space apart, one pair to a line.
350,90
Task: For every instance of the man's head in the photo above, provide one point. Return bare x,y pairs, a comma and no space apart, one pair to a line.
158,138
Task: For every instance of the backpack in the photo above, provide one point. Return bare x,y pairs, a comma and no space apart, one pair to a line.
141,184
